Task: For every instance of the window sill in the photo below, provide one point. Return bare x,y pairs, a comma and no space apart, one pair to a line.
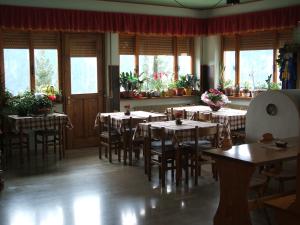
166,97
239,98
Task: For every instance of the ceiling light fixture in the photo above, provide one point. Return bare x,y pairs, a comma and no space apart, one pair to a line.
233,2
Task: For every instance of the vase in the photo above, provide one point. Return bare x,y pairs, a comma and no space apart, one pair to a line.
214,108
178,121
127,112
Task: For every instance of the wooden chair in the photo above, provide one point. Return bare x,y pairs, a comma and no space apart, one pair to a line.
10,140
1,181
109,138
276,171
159,152
50,135
193,150
133,145
204,117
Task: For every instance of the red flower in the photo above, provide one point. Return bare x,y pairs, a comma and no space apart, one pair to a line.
52,98
178,114
127,106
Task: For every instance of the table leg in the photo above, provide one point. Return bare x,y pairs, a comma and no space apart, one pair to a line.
178,166
21,144
234,183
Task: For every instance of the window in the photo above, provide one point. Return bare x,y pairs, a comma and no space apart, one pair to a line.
22,73
127,63
256,60
83,65
154,56
16,68
46,68
229,66
158,71
255,67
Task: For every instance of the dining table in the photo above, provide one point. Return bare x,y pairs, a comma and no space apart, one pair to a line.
35,122
177,133
236,167
235,119
119,121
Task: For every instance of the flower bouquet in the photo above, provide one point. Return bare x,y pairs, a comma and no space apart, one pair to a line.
178,116
214,99
127,110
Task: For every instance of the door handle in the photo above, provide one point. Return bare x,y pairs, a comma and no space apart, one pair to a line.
69,100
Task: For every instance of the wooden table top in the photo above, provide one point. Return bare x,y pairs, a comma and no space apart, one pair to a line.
259,153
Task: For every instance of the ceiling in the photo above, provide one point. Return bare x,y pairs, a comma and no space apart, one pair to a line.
190,4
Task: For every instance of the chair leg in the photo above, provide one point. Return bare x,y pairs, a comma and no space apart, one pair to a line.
28,148
163,173
110,152
35,144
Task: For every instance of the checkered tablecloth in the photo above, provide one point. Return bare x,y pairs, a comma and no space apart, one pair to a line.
178,133
39,122
233,118
119,118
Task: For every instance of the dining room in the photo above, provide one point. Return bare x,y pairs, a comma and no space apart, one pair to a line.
149,112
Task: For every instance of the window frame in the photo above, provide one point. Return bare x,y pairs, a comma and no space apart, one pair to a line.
136,51
287,33
30,39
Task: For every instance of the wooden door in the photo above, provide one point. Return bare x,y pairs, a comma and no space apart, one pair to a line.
84,76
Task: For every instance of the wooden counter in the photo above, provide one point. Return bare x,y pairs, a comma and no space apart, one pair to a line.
236,167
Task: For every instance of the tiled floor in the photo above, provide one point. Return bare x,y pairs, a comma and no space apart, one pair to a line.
83,190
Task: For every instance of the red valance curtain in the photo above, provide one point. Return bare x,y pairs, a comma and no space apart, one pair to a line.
31,18
256,21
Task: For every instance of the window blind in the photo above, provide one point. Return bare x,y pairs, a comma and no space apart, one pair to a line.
229,43
16,40
155,45
184,46
257,41
284,37
126,44
45,40
83,47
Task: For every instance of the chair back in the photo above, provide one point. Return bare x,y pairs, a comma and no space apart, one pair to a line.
104,124
157,134
204,117
211,132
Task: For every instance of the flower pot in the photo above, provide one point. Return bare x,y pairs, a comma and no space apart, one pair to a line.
178,121
228,91
214,108
127,112
42,111
188,91
171,92
179,91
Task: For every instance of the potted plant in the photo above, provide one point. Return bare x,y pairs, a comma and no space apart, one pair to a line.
214,98
171,89
228,87
246,89
22,104
190,83
42,105
180,84
129,82
237,90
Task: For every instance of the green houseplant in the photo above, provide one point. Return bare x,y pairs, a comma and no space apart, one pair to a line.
228,87
129,82
180,85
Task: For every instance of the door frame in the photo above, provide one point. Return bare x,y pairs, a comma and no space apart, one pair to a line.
66,73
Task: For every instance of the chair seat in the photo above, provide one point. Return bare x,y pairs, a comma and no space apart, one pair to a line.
46,132
156,143
258,181
113,134
202,145
284,174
